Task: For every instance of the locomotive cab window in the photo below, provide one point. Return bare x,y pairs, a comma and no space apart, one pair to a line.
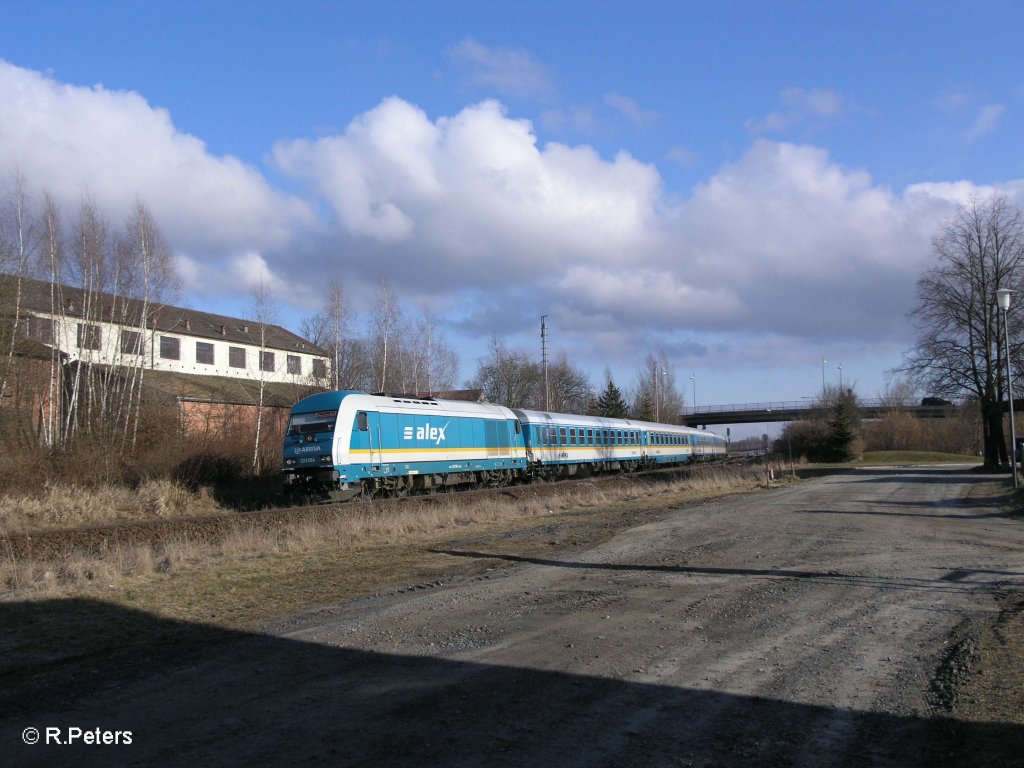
362,423
309,423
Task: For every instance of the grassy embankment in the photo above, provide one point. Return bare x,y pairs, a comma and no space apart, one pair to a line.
256,573
899,458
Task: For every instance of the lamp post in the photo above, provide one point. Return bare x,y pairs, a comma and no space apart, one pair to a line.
1003,300
840,367
823,361
693,380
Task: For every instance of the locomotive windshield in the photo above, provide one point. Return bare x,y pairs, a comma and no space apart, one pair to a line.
305,423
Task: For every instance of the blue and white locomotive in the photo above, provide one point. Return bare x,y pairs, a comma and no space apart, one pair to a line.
354,443
351,443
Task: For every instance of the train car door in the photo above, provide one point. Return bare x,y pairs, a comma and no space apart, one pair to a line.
368,422
515,438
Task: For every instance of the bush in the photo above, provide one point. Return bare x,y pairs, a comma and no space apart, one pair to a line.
207,469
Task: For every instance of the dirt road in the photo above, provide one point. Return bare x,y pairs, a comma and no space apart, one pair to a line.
820,624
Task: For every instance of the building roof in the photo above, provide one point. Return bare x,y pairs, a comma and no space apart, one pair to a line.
110,308
225,389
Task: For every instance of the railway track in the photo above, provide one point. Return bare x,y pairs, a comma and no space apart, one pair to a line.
97,539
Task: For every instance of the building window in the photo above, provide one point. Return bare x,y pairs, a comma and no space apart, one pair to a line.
266,361
320,369
294,364
131,343
204,352
170,348
40,329
89,336
236,357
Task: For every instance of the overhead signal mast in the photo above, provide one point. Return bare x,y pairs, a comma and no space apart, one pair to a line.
544,356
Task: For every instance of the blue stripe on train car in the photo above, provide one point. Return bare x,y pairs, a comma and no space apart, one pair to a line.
438,443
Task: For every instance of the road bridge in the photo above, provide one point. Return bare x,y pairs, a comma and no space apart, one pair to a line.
794,410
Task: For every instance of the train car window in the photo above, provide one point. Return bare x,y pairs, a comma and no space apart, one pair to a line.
362,422
572,435
561,436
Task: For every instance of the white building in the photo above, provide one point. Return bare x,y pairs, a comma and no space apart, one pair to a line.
105,329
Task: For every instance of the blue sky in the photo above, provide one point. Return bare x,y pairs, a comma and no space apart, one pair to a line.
745,186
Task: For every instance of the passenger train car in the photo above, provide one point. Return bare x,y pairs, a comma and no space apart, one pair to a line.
351,443
560,444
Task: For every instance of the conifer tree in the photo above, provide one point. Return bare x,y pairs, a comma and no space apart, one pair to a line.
610,403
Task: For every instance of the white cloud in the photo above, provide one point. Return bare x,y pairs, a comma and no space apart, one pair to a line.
682,155
782,241
986,122
783,245
508,71
799,106
631,109
115,147
474,188
580,120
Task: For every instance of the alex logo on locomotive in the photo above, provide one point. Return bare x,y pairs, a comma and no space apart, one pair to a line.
426,432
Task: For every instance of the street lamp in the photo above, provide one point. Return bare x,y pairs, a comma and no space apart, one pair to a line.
693,380
823,361
840,367
1003,300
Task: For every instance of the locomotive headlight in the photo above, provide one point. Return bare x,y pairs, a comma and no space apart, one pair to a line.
326,459
289,462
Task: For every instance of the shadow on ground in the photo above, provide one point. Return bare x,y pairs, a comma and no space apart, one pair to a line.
198,695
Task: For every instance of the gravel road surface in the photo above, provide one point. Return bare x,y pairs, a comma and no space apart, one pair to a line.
818,624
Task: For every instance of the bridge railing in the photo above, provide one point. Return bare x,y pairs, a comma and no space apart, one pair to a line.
787,405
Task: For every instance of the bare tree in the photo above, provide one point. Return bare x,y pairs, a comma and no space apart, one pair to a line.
52,260
570,387
150,278
898,392
508,377
958,352
16,247
656,387
387,319
435,362
264,313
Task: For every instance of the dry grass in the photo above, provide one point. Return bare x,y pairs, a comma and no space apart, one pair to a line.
248,548
69,506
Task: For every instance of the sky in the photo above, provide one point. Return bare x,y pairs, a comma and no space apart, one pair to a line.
746,188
